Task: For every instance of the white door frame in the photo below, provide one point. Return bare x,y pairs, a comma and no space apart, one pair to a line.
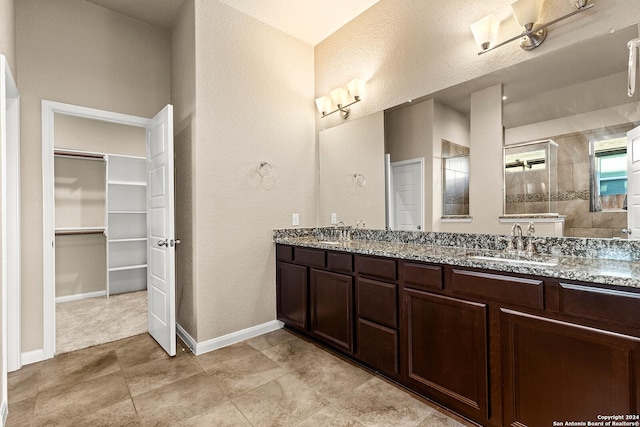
11,261
49,108
391,205
633,157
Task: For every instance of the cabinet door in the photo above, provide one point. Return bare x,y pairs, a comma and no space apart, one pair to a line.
557,371
444,351
292,295
331,303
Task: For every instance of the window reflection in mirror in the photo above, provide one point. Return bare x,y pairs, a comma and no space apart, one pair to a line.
531,178
608,178
455,179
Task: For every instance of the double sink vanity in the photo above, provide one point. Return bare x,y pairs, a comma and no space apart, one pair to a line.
499,338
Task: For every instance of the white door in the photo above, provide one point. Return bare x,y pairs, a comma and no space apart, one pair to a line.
10,212
407,194
161,239
633,183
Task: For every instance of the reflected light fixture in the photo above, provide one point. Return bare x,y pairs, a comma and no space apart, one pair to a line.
527,13
341,99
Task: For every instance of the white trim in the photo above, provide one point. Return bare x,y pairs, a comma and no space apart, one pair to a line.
75,297
225,340
465,219
49,108
188,339
531,219
4,411
34,356
10,207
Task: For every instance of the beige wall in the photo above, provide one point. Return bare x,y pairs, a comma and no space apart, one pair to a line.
78,133
183,97
254,102
183,66
353,147
8,34
75,52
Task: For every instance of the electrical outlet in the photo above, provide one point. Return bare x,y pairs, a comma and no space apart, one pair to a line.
334,218
295,219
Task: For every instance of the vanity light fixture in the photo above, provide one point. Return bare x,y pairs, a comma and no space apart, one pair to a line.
527,13
341,99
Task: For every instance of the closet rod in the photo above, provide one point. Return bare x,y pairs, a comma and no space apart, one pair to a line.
87,156
73,232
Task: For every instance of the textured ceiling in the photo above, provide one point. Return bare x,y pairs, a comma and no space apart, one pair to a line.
308,20
159,13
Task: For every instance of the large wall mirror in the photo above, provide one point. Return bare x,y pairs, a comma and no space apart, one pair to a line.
575,97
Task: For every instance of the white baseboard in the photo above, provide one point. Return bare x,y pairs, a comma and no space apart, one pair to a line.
75,297
188,339
30,357
4,411
225,340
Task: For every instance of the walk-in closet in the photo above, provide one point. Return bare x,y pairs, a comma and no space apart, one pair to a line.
100,231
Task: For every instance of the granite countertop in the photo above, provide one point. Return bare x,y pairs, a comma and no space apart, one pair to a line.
597,270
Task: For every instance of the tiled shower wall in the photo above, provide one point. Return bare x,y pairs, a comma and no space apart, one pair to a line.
573,191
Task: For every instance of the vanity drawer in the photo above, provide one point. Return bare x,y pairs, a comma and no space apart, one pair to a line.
378,346
284,253
377,301
341,262
379,268
310,257
506,289
420,276
619,307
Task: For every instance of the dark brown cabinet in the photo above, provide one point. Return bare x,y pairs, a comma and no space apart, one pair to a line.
331,307
557,371
502,349
377,311
292,295
377,324
445,344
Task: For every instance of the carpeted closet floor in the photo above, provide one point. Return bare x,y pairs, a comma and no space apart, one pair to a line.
92,321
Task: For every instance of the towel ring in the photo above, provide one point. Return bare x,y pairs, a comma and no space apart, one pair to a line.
265,170
359,179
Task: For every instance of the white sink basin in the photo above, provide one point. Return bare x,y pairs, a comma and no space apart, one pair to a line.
548,262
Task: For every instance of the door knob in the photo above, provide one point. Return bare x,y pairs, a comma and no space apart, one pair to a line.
626,231
163,243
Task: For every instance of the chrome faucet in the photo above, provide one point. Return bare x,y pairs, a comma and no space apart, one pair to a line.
360,221
337,232
517,229
531,249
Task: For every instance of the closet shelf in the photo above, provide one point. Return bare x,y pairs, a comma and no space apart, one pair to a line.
128,212
132,183
133,239
128,267
67,231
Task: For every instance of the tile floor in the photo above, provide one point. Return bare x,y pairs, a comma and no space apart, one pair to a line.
117,317
276,379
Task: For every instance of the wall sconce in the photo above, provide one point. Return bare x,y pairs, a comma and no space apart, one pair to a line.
340,98
527,13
